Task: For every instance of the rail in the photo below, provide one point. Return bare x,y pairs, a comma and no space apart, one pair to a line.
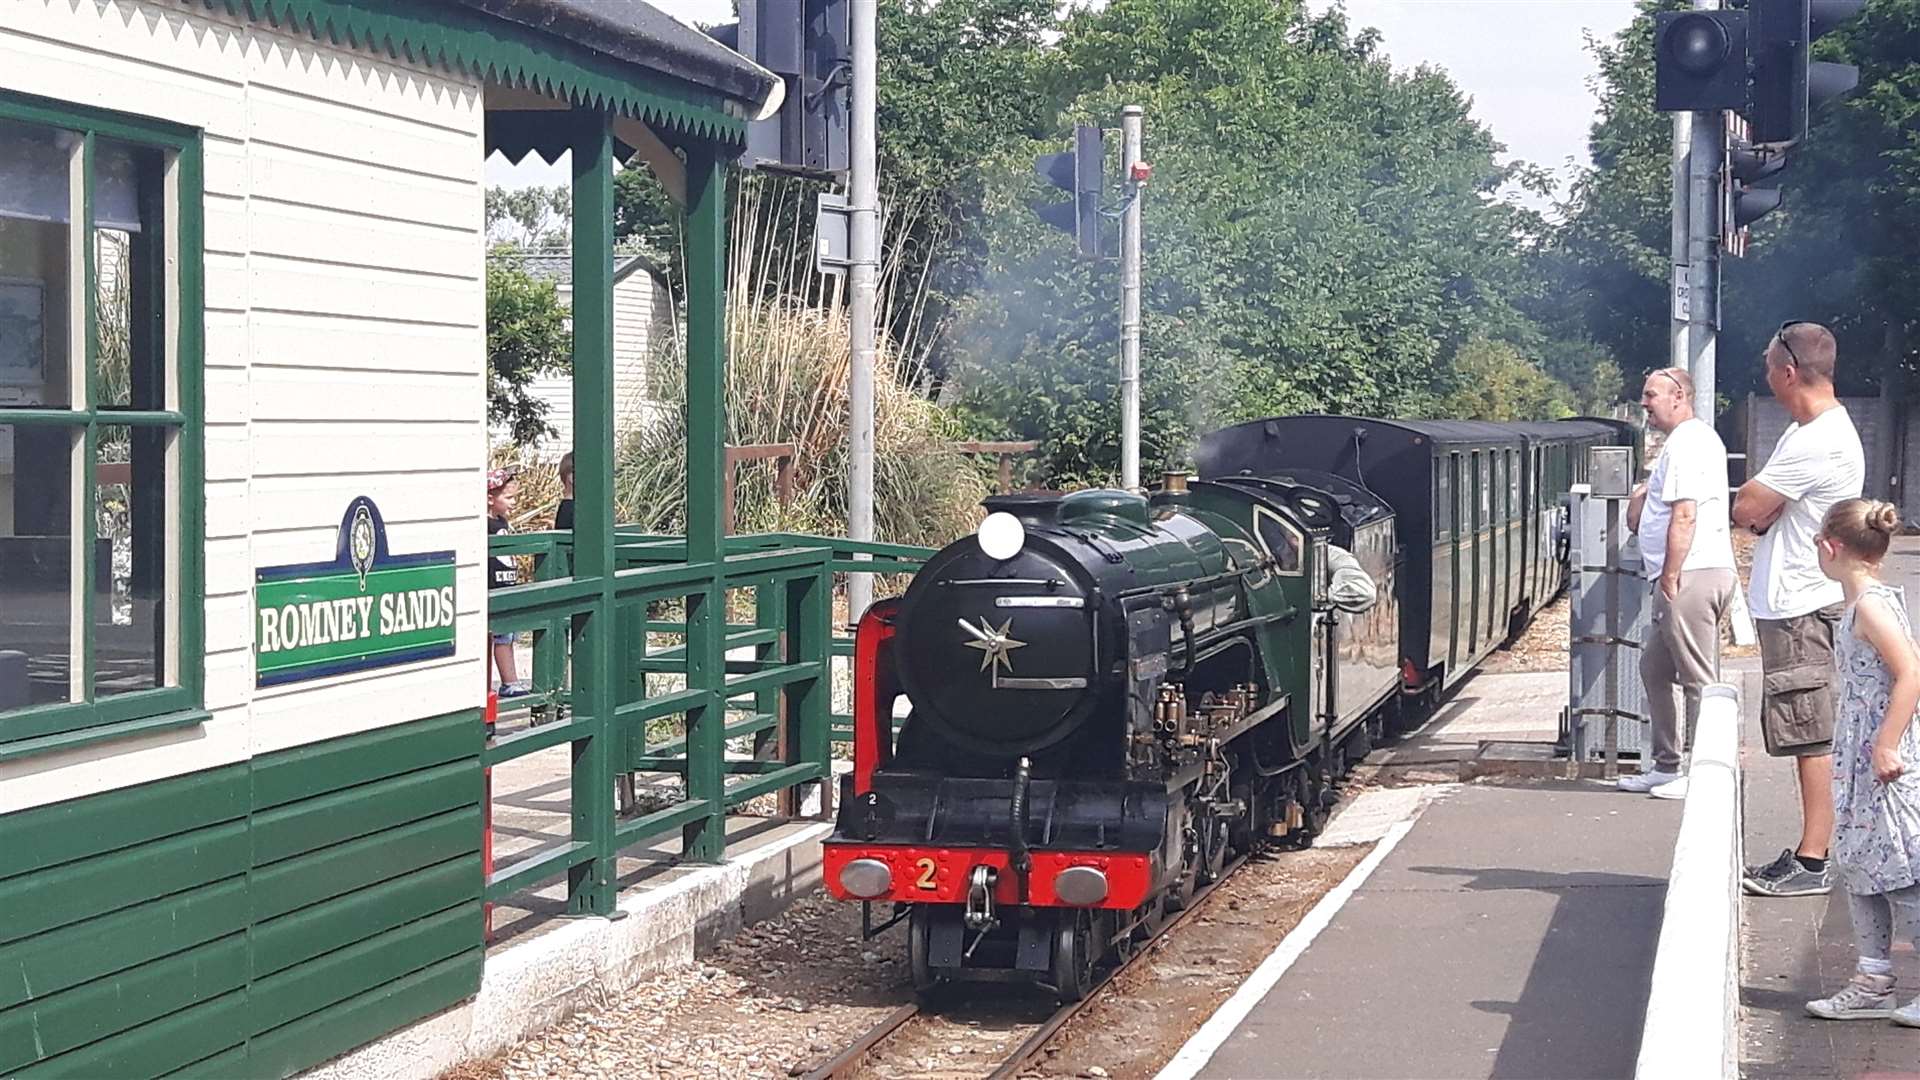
757,722
1691,1028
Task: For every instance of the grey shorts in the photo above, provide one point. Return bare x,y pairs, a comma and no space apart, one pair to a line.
1797,706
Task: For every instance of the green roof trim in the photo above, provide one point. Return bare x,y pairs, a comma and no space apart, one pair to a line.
493,49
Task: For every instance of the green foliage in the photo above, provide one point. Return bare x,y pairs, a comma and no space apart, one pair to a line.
530,217
1320,236
527,336
787,383
1494,382
960,81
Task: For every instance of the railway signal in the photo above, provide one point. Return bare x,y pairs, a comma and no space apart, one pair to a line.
1079,173
1746,73
1748,168
1700,60
1787,83
808,43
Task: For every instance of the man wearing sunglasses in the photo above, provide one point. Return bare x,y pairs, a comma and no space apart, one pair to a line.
1680,514
1817,462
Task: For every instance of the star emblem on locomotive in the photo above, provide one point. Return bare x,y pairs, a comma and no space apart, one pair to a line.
994,645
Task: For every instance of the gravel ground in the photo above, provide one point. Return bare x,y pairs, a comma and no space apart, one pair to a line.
780,994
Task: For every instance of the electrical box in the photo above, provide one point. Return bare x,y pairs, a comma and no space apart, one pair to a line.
1610,471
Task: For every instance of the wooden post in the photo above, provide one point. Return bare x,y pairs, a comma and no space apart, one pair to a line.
781,454
1005,451
591,888
705,840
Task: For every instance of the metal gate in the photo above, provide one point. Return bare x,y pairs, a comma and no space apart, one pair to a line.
1607,620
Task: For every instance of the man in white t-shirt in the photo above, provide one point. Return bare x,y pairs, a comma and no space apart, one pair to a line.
1816,463
1680,514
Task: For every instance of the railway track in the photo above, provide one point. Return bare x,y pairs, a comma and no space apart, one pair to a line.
849,1060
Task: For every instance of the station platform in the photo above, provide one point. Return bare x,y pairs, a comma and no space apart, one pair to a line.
1507,927
1509,932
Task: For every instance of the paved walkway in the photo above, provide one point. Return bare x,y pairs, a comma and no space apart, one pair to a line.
1511,931
1793,950
1509,934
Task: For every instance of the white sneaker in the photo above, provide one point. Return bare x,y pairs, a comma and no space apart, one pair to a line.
1642,783
1672,789
1866,997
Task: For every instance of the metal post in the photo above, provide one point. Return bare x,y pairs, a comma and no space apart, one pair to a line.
1130,132
863,236
1677,311
1703,255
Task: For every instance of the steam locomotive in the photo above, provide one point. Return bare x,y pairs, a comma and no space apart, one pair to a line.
1105,694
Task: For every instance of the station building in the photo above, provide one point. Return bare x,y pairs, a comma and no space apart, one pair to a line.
242,436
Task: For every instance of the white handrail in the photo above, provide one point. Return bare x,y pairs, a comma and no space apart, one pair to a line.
1691,1028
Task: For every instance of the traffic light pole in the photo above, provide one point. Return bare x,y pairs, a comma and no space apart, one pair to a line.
1677,326
1708,150
863,274
1130,154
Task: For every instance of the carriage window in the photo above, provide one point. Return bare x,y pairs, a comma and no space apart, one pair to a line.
1281,540
1442,501
1497,465
1513,484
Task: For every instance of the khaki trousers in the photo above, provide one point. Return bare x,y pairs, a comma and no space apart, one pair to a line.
1683,650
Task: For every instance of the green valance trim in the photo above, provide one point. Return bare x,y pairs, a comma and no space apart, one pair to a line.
498,51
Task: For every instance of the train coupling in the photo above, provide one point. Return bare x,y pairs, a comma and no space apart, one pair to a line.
980,915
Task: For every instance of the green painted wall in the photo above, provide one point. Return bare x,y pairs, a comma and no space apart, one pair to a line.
251,920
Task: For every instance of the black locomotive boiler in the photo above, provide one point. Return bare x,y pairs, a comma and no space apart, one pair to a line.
1107,694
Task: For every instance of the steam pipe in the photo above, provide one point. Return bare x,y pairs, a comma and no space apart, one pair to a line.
1019,856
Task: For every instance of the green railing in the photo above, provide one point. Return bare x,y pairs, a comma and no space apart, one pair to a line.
772,698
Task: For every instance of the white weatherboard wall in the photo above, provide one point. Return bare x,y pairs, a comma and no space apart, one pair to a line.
642,317
345,342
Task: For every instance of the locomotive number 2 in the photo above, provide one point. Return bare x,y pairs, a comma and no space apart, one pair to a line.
925,880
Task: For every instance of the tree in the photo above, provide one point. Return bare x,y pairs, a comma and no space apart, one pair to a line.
530,217
1497,383
1321,236
527,336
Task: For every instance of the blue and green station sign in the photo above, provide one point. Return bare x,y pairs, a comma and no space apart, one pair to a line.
364,608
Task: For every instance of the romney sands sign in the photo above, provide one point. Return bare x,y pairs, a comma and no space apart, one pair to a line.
364,608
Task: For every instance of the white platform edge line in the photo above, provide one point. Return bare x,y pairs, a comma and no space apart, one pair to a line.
1199,1049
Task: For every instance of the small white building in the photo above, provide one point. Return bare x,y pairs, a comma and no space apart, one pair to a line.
643,320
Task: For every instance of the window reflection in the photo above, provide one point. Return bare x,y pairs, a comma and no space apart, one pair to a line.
129,507
36,565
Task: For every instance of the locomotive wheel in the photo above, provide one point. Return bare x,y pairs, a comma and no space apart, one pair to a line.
919,949
1073,955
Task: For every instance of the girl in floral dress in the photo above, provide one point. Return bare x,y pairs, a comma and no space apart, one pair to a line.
1876,760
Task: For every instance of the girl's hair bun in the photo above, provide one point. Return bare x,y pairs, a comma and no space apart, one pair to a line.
1883,517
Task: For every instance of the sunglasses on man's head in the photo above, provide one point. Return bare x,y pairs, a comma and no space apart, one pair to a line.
1780,336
